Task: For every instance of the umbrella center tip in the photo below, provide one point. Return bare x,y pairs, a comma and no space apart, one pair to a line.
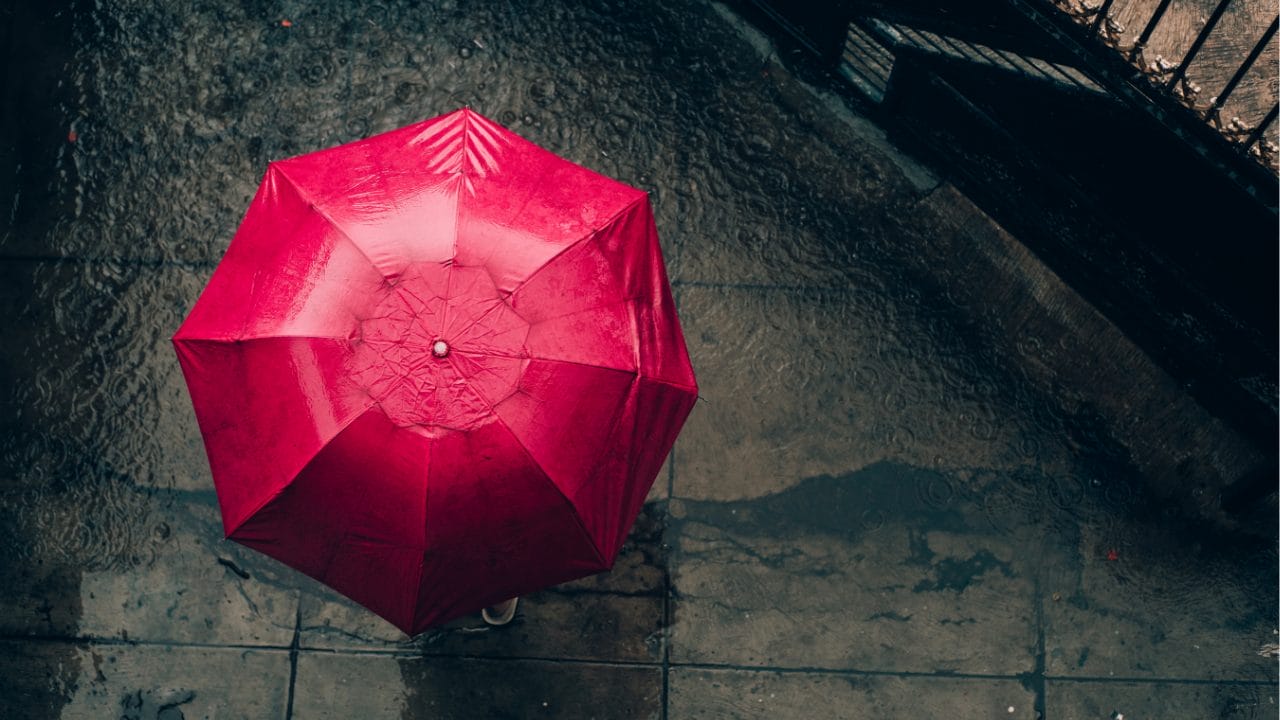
440,348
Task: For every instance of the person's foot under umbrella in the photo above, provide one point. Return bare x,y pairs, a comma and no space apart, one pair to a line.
500,614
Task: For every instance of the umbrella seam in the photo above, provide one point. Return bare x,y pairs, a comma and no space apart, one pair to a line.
597,471
573,509
643,197
485,315
342,427
669,383
625,299
507,141
326,217
422,558
634,372
457,218
257,338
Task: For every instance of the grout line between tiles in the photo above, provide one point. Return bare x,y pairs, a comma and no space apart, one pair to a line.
294,647
1022,677
1037,676
666,569
713,667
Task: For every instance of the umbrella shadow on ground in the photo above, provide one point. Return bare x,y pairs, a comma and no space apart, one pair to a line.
615,616
592,643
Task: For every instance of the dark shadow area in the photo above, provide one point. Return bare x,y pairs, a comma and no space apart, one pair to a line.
38,679
1130,214
37,121
1184,265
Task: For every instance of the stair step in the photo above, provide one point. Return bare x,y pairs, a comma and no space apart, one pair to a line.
872,46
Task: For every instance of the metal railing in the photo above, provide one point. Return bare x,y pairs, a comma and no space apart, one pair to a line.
1182,78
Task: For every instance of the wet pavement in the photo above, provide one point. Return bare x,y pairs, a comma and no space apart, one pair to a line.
924,479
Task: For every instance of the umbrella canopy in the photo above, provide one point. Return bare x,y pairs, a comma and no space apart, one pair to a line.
437,368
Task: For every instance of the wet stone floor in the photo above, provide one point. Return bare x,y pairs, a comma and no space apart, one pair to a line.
901,494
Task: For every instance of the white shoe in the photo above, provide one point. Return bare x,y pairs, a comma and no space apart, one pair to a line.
505,612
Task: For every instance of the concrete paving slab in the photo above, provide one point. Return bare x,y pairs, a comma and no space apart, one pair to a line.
1153,597
114,397
718,693
799,384
167,576
1148,701
342,685
141,682
614,616
885,569
192,586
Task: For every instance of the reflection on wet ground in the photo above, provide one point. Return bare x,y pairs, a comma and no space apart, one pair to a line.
923,480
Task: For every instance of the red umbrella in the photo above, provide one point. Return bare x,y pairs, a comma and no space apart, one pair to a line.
437,368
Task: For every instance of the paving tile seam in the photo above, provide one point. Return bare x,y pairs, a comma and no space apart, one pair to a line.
1275,682
665,697
848,672
1021,677
592,592
121,642
1018,678
402,653
418,655
1037,675
712,667
294,646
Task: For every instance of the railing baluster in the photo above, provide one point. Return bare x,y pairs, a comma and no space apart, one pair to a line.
1244,68
1156,17
1102,15
1261,130
1200,39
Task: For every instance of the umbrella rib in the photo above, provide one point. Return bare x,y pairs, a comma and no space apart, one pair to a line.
529,197
342,427
575,311
448,281
626,371
637,373
483,316
591,234
573,509
596,473
262,338
328,218
422,559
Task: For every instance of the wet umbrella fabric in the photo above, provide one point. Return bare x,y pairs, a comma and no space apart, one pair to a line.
437,368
